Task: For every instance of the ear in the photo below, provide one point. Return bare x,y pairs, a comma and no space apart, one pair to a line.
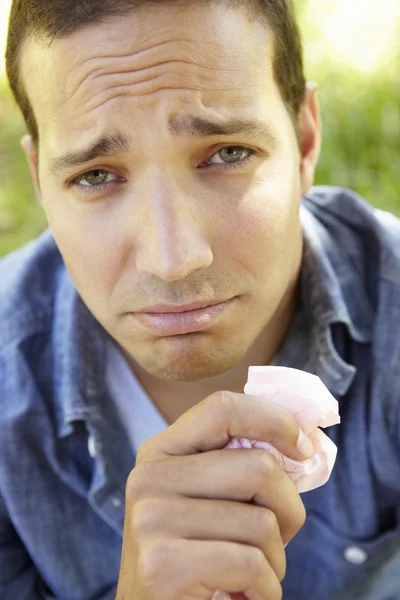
310,137
31,154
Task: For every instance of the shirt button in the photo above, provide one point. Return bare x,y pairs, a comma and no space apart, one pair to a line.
356,556
91,447
116,501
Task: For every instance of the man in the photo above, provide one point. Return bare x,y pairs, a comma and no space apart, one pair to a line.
173,146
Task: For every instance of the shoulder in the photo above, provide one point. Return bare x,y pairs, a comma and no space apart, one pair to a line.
341,208
28,284
368,236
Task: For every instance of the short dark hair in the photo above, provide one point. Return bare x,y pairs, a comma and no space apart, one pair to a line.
44,20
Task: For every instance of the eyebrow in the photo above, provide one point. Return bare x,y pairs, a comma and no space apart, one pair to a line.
107,145
180,126
190,126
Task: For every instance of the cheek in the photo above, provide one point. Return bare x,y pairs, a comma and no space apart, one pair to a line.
268,221
90,248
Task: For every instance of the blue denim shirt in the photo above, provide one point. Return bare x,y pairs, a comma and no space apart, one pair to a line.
62,511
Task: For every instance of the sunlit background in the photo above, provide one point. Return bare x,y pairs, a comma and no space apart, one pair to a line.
356,34
352,50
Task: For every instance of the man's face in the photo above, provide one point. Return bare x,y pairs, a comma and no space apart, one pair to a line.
174,218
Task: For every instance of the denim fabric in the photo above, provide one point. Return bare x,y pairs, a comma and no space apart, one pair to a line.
62,506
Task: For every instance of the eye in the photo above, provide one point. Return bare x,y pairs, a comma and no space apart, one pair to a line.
96,178
231,157
94,181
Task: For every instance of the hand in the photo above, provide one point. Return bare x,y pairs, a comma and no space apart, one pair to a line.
200,519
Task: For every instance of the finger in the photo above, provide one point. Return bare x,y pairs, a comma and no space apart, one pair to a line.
179,568
212,423
190,518
239,475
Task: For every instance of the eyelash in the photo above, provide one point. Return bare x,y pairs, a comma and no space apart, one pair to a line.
86,189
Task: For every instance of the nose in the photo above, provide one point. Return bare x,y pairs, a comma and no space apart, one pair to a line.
172,237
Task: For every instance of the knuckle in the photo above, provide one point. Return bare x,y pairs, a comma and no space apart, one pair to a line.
277,591
297,520
140,454
263,465
267,529
134,484
145,516
150,450
222,402
282,573
256,562
139,481
283,424
266,523
153,567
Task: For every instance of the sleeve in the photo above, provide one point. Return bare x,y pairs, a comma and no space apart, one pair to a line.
18,578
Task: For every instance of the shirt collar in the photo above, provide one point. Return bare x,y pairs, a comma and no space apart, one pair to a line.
331,292
79,354
332,287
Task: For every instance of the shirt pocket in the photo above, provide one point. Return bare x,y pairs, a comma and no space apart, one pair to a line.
324,564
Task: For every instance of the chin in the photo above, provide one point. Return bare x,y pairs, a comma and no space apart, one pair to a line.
191,364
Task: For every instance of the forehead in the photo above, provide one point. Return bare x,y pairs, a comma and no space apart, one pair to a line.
210,54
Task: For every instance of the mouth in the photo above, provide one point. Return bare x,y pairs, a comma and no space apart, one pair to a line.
178,321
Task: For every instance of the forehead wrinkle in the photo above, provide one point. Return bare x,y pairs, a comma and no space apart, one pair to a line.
139,73
108,71
166,80
90,74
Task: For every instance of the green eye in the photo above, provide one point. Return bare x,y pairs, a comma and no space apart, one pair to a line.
94,178
231,154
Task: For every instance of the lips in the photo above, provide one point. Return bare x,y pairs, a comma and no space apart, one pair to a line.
179,323
167,308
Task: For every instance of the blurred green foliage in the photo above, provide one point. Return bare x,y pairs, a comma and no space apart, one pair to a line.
361,137
361,144
21,216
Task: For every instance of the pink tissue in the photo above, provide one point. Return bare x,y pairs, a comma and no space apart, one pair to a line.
312,405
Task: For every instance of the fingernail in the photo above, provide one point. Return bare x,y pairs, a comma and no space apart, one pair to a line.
304,445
